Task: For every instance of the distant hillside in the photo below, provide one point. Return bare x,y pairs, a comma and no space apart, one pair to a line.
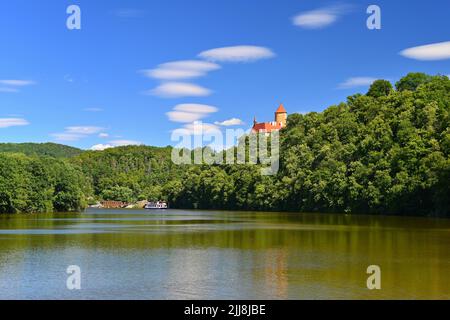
40,149
129,173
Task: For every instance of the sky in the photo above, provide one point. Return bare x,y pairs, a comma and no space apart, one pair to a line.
138,70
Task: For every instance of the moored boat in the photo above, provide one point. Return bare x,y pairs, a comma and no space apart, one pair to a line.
159,205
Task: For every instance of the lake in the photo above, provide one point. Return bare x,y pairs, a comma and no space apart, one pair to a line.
181,254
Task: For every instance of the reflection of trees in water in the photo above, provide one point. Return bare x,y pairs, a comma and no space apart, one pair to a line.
287,256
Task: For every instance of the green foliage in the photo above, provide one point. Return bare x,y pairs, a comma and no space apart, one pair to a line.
32,184
117,193
40,149
387,152
380,88
378,154
140,169
412,81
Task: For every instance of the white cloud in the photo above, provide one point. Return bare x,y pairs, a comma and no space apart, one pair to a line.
179,90
12,86
237,54
199,128
172,74
191,65
196,108
12,122
121,143
319,18
76,133
230,122
87,130
101,147
177,116
190,112
186,113
430,52
356,82
17,83
115,143
177,70
103,135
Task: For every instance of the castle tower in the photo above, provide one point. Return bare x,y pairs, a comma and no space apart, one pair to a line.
281,116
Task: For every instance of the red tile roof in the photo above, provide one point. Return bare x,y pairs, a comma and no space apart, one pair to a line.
281,109
266,127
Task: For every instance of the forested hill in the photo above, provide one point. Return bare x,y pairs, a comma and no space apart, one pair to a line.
40,149
129,173
383,152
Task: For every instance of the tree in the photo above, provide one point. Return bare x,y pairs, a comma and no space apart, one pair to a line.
117,193
380,88
412,81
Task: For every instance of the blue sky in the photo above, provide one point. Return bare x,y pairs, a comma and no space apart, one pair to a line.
109,83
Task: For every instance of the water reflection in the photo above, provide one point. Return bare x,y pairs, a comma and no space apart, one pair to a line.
222,255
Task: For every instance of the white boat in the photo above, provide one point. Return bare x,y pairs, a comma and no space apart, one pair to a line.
160,205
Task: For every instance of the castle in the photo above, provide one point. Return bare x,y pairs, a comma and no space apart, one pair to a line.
268,127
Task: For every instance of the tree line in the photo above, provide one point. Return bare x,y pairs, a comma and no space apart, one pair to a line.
383,152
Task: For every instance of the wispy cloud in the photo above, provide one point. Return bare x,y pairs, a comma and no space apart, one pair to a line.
230,122
12,122
114,144
121,143
198,128
320,18
177,70
84,130
17,83
12,86
185,117
103,135
178,90
356,82
205,127
186,113
196,108
237,54
76,133
429,52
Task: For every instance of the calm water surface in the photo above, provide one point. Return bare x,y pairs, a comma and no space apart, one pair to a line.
180,254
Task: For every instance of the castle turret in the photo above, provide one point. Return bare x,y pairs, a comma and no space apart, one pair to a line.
281,116
268,127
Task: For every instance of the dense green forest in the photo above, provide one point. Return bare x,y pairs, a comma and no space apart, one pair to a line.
31,184
386,152
383,152
41,149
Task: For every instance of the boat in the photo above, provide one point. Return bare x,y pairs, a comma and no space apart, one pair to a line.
159,205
